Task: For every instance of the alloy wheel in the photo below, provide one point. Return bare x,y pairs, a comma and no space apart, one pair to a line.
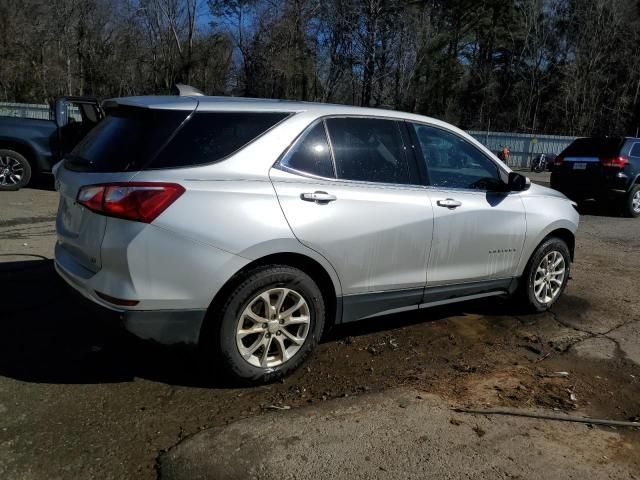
549,277
11,170
635,202
273,327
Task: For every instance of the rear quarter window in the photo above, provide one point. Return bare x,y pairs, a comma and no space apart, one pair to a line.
212,136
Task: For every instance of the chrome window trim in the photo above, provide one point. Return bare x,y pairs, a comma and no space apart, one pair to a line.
308,178
278,163
330,143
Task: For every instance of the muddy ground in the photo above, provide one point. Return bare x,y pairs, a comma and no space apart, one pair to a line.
79,399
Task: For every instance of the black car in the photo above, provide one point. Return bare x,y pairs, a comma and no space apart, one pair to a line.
603,168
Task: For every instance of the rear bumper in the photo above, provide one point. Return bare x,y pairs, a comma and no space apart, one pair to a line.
576,189
163,326
172,278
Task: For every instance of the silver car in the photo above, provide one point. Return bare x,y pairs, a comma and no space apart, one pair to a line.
251,226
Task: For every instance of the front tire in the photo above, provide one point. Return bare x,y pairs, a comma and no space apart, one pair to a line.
632,202
15,170
546,275
268,326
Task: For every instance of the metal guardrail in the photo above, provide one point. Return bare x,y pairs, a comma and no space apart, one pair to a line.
34,110
523,147
25,110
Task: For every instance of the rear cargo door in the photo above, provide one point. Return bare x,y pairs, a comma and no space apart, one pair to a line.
582,162
80,231
122,144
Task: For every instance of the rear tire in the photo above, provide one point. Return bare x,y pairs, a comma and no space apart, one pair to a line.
546,275
631,207
15,170
277,346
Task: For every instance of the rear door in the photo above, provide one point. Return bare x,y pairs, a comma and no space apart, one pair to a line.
634,158
360,205
478,233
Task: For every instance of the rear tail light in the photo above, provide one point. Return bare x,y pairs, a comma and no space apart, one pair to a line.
137,201
558,160
619,161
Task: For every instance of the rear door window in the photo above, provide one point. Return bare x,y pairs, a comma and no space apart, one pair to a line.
635,150
311,154
369,150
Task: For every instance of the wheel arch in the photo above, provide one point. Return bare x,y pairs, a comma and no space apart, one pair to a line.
563,234
305,263
24,149
563,230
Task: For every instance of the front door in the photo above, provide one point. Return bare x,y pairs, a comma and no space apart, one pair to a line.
478,233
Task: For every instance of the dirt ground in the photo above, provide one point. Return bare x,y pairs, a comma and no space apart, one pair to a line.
397,434
79,399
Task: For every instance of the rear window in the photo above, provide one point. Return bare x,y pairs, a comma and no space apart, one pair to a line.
131,139
594,147
125,140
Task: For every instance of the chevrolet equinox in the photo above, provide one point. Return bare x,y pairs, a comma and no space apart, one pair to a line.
249,226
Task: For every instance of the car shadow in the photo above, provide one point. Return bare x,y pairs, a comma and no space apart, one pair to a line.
48,336
42,182
597,209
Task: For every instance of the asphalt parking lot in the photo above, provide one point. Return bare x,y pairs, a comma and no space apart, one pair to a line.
79,399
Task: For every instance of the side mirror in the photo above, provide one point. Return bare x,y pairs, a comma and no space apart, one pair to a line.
518,182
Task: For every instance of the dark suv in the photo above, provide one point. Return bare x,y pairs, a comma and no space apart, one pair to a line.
603,168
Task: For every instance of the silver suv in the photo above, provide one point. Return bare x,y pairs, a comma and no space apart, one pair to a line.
250,226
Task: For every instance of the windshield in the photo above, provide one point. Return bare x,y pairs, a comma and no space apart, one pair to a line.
594,147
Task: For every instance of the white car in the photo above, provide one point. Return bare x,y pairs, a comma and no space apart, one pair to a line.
250,226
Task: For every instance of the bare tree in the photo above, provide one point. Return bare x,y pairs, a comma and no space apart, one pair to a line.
565,66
